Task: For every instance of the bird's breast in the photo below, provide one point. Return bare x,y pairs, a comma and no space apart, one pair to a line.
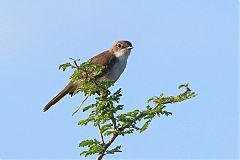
118,68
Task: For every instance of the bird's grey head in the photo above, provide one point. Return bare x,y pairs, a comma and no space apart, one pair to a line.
121,48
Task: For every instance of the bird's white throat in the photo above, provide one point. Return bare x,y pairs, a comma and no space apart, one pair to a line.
119,65
122,53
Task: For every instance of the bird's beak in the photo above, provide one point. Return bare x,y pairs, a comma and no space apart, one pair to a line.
130,47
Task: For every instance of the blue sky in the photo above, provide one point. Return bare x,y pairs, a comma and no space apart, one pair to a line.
175,42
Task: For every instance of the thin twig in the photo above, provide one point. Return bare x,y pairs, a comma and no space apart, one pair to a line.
72,65
80,105
101,136
75,62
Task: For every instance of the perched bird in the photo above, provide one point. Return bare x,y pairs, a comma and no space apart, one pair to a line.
114,61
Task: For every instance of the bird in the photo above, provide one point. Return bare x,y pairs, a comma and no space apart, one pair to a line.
114,61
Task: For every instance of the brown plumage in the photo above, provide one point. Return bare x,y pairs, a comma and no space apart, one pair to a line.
59,96
114,61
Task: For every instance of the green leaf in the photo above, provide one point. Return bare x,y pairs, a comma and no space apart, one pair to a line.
166,113
114,150
184,85
89,142
145,126
88,107
181,86
127,131
106,127
86,121
109,132
93,150
64,66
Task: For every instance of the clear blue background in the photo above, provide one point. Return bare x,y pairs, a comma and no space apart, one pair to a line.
176,41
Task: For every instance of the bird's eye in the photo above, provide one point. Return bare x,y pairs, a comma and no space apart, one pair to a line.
119,45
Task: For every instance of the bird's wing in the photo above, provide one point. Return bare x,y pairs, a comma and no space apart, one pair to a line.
106,58
108,61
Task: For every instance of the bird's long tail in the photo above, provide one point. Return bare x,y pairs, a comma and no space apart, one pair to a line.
59,96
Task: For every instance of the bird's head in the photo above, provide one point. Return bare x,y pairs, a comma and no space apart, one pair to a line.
121,48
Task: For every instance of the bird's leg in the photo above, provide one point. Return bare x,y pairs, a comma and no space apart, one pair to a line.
98,93
107,92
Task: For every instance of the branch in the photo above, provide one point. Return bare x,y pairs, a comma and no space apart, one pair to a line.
140,116
135,119
114,136
110,141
